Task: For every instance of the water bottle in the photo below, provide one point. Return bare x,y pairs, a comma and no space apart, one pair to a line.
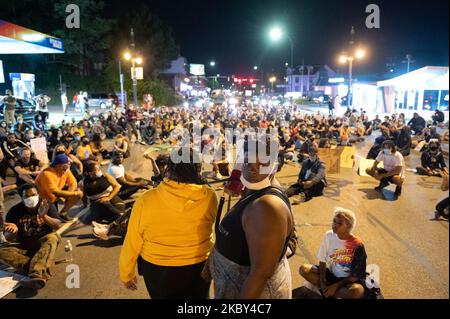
68,250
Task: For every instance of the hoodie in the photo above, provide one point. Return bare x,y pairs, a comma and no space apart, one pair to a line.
170,225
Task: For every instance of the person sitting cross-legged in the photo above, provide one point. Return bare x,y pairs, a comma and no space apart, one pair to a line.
342,261
311,180
33,222
393,171
57,183
129,185
432,160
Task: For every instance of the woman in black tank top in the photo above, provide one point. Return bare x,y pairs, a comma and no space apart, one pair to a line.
101,190
249,259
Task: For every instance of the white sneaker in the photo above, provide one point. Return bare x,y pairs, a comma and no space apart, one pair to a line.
219,176
98,225
300,198
101,233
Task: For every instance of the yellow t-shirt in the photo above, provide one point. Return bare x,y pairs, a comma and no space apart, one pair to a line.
170,225
84,152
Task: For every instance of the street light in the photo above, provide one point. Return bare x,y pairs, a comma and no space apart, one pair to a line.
276,34
134,60
358,54
212,63
255,68
272,81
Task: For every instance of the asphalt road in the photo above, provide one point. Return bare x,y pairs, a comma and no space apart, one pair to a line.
411,251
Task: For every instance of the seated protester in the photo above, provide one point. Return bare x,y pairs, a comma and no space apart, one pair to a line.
75,143
376,122
84,151
344,135
98,146
360,131
20,127
27,168
57,183
286,151
76,167
368,126
376,148
38,123
311,180
221,167
129,184
28,136
148,132
403,140
3,130
122,145
433,135
417,124
393,171
433,162
102,190
3,165
11,147
33,222
342,261
438,117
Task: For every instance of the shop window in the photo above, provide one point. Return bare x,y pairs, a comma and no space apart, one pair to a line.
443,105
430,99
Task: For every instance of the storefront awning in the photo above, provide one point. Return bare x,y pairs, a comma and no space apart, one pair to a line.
428,78
15,39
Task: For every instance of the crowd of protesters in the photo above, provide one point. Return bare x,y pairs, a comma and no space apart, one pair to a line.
168,232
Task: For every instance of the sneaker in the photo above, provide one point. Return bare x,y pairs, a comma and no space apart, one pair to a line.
65,217
219,176
382,185
300,198
437,215
143,143
34,283
98,225
101,233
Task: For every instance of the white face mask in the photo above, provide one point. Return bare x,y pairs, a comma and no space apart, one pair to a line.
99,174
31,202
387,151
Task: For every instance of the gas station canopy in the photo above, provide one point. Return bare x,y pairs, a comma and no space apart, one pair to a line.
15,39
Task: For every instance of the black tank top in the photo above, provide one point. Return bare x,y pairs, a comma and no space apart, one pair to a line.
95,186
230,236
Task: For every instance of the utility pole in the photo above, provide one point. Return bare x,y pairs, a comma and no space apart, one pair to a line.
133,68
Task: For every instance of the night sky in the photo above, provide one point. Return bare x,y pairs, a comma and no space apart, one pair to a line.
234,33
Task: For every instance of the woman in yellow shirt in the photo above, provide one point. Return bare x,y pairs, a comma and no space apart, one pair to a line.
170,232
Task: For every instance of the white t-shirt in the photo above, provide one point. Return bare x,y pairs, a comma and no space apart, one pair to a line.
391,161
339,255
116,171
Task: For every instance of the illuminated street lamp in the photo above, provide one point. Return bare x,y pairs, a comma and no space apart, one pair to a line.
212,63
255,68
134,60
272,81
276,34
358,54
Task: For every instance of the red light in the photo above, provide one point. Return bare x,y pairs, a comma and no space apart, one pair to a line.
251,81
240,81
235,79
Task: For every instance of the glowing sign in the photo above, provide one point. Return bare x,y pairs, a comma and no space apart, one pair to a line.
336,80
197,69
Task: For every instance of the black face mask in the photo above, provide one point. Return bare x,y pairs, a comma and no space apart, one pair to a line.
85,142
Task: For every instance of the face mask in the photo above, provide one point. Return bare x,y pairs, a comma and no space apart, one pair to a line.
387,151
31,202
99,174
3,125
85,142
313,158
77,138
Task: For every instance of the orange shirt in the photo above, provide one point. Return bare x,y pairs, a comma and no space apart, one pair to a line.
48,181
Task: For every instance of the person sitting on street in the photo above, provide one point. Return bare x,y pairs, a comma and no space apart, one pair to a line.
393,171
11,147
122,145
417,124
403,140
27,168
57,184
438,117
84,151
342,261
33,223
21,127
129,184
311,180
76,167
432,160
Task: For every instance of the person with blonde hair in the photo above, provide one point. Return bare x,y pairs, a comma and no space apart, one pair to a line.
342,260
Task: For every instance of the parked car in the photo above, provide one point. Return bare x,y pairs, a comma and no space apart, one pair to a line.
102,100
25,108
